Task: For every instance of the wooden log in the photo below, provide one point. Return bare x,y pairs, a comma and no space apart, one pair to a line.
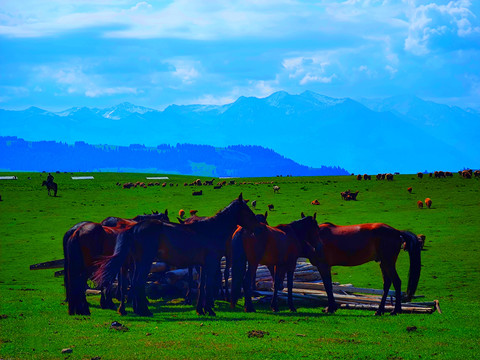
54,264
158,267
93,292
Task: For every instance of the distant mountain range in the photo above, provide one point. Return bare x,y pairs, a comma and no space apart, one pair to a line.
187,159
404,134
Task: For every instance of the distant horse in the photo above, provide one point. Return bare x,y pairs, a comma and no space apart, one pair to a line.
354,245
51,186
279,250
114,221
182,245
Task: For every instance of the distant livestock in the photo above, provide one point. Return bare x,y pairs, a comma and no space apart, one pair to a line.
348,195
315,202
428,202
196,193
359,177
270,207
420,175
420,204
409,190
254,203
276,189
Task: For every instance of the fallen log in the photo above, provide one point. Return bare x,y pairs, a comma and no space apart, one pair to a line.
54,264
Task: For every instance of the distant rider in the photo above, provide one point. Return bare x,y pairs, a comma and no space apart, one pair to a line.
50,179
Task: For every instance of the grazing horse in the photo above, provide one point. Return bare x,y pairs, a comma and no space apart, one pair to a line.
182,245
83,245
51,186
354,245
278,249
114,221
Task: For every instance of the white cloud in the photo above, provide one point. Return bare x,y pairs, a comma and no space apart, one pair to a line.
96,92
309,78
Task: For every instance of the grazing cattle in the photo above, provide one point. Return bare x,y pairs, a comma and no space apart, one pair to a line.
348,195
476,173
448,174
254,203
128,185
207,182
389,177
428,202
367,177
276,189
409,190
198,182
420,204
315,202
359,177
216,187
195,193
467,174
164,184
193,212
270,207
181,213
420,175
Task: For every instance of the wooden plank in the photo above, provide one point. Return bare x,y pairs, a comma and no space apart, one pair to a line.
54,264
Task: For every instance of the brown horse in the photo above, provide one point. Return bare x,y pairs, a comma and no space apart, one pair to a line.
84,245
354,245
182,245
279,249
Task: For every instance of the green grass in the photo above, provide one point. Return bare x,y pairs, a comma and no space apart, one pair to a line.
34,323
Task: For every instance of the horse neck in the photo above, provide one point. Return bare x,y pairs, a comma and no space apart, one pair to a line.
222,224
303,235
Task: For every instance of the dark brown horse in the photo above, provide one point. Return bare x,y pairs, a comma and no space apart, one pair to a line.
279,249
354,245
182,245
84,245
51,186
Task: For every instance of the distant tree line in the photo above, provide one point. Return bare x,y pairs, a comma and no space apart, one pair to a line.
238,160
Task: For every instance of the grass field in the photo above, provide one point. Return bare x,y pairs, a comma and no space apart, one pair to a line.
34,323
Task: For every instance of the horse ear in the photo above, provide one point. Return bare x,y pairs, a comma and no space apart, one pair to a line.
166,212
240,197
302,214
315,216
266,214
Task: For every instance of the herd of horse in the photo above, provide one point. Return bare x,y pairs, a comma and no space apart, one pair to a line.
124,249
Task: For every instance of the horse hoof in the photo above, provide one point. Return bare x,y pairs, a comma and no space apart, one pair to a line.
250,310
292,309
274,309
378,313
200,312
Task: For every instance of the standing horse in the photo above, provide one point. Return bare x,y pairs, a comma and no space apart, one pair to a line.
279,250
83,248
84,244
182,245
50,186
354,245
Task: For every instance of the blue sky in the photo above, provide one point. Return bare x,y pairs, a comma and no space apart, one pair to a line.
98,53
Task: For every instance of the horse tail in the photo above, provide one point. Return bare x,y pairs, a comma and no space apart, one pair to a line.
238,262
110,266
413,247
75,276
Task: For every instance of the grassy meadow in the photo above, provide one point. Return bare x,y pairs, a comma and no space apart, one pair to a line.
34,323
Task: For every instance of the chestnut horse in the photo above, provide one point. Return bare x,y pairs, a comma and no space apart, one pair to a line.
279,249
82,248
354,245
84,244
182,245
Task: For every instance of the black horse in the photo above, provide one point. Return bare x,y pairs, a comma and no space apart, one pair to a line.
51,186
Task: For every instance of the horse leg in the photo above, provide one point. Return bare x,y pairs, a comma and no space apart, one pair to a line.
397,284
387,281
247,287
188,295
277,285
326,274
201,292
140,302
211,282
290,290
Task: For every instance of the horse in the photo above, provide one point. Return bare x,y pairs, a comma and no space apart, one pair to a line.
279,250
354,245
182,245
83,245
51,186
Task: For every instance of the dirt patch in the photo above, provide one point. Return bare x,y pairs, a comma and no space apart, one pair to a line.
257,333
